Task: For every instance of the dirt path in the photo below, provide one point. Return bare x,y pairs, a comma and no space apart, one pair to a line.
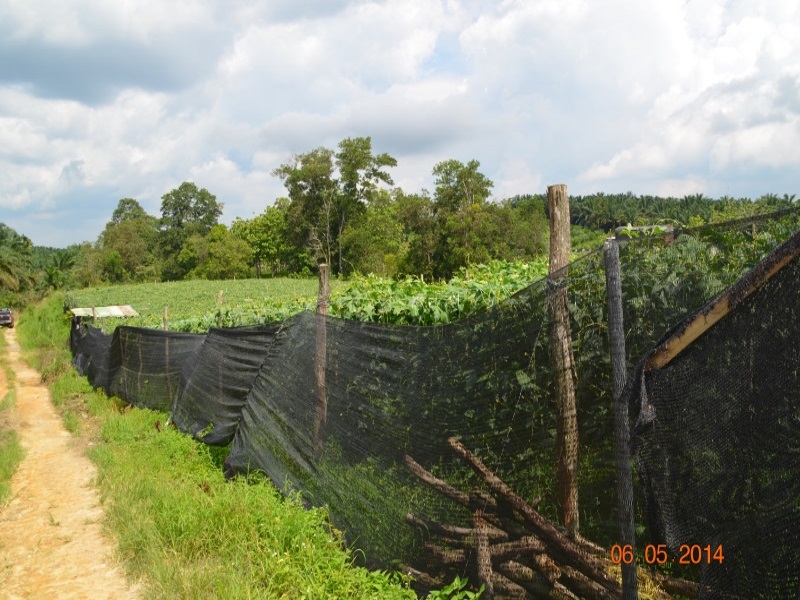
51,545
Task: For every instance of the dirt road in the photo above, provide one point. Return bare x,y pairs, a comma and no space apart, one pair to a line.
51,545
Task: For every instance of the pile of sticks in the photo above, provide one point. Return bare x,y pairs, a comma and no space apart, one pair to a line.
512,550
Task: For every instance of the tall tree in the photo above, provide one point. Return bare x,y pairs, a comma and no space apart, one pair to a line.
185,211
322,204
267,236
360,172
127,209
459,185
217,255
131,236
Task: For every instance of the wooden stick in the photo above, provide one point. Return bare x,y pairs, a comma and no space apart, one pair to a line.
560,543
534,582
547,567
484,559
321,360
425,580
437,484
503,585
562,361
446,557
527,545
453,532
675,585
717,309
584,587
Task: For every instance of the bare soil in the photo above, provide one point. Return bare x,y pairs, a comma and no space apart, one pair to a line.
51,540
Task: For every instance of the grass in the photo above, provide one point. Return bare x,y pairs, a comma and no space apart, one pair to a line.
11,452
182,530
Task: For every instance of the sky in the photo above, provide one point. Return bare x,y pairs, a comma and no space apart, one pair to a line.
107,100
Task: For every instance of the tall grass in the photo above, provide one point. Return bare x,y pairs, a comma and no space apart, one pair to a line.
11,452
182,530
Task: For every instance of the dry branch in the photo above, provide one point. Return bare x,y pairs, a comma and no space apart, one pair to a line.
560,543
514,551
527,545
484,560
507,588
437,484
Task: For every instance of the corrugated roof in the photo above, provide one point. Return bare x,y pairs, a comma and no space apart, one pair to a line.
105,311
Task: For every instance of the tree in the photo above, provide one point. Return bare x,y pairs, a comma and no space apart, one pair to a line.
16,278
459,185
464,222
374,242
322,204
133,235
416,214
218,255
267,236
359,172
185,211
127,209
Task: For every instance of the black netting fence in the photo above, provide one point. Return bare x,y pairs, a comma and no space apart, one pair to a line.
332,407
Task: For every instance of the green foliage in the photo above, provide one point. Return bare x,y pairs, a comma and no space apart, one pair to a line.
607,211
322,205
267,237
218,255
411,301
374,242
185,211
16,272
195,535
456,591
11,452
459,185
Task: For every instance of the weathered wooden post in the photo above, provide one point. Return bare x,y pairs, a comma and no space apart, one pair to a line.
166,320
561,358
321,357
622,434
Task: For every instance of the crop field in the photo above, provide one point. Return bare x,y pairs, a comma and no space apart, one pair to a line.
196,306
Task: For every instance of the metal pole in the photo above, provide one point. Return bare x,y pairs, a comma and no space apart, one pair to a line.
616,335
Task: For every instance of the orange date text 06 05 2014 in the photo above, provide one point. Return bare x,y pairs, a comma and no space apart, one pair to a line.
689,554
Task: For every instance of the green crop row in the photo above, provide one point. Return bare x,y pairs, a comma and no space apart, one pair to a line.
196,306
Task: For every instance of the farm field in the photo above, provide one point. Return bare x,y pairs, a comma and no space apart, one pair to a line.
193,305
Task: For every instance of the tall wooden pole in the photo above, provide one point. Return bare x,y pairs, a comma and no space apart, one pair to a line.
561,358
622,434
321,358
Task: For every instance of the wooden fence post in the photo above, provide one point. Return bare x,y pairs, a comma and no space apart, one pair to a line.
166,320
321,357
561,358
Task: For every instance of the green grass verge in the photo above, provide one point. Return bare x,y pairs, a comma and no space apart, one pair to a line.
11,452
182,530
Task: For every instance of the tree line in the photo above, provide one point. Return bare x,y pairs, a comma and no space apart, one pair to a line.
341,208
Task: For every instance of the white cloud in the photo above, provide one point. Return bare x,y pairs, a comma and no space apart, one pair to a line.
100,100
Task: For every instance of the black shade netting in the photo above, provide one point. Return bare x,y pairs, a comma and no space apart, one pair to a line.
91,351
333,407
717,443
140,366
216,381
